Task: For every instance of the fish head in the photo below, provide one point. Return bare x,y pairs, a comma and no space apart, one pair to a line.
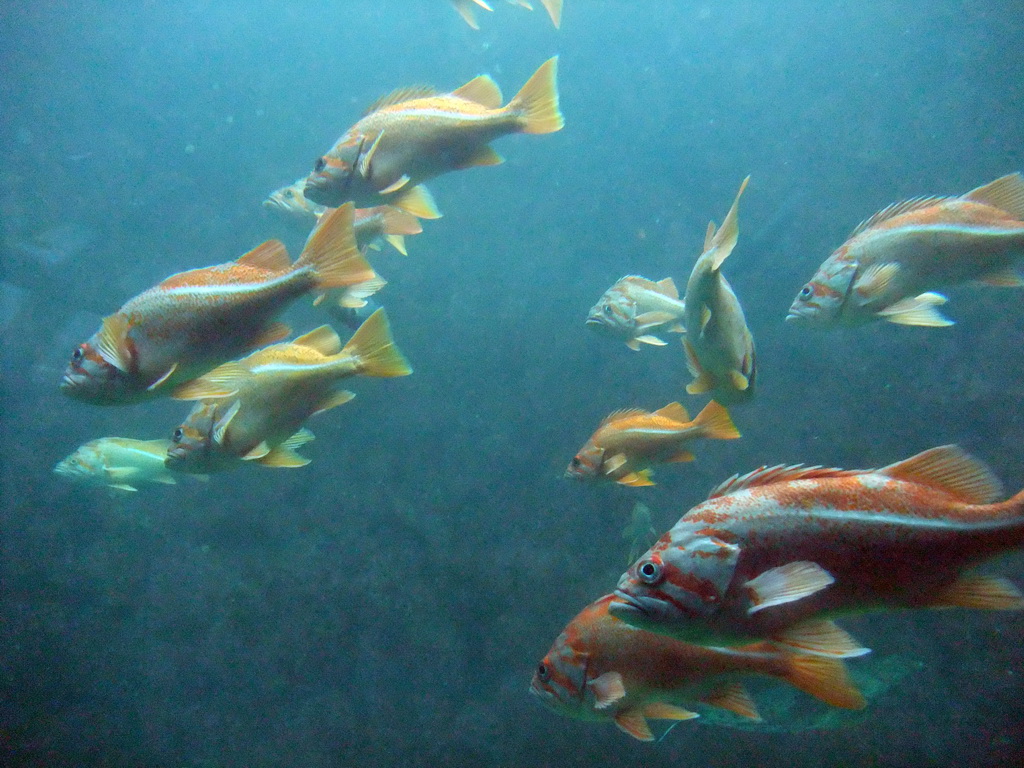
192,443
559,681
820,302
91,377
614,315
291,205
86,463
677,585
586,465
333,174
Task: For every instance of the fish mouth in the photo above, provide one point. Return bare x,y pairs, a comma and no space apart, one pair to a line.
175,457
318,189
626,605
70,381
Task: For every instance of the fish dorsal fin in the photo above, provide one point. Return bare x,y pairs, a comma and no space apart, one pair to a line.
633,722
667,287
111,342
222,381
733,697
622,413
481,90
675,412
270,255
951,470
324,340
1005,193
780,473
896,209
608,688
400,95
221,428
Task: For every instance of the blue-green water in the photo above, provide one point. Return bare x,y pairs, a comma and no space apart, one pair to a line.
386,605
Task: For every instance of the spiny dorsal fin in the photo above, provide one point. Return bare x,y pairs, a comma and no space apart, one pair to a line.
324,340
622,413
481,90
1005,193
780,473
400,95
270,255
897,209
951,470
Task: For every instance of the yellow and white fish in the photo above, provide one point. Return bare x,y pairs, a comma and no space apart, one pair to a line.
253,409
118,462
890,265
719,346
415,134
635,308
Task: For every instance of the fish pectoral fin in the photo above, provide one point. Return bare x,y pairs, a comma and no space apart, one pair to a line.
1004,278
633,344
481,157
674,411
111,342
123,487
820,637
637,479
680,456
704,382
917,310
987,593
364,162
735,698
876,279
608,688
738,380
825,679
222,381
396,185
660,711
786,584
167,374
417,201
633,722
613,463
647,338
705,317
333,401
651,319
221,427
257,453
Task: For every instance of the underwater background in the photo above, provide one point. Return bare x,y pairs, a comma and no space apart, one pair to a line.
387,604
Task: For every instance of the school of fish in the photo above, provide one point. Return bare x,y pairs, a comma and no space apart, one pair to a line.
749,582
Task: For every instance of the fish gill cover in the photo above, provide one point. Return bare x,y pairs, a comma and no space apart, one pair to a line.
387,602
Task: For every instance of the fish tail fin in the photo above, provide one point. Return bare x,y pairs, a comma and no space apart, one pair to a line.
376,350
716,423
724,240
537,101
332,252
824,679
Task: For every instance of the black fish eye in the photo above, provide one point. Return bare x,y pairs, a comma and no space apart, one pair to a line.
319,165
806,291
543,673
77,355
178,434
649,573
608,310
575,461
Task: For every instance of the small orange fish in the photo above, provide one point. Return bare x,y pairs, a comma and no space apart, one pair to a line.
253,409
414,134
628,442
891,263
776,553
600,668
194,320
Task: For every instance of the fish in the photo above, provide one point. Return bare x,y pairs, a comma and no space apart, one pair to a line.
628,442
195,320
635,309
602,669
466,9
253,409
777,553
381,222
415,134
118,462
719,347
892,264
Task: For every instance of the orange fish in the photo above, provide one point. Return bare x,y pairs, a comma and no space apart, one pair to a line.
600,668
775,553
414,134
194,320
628,442
253,409
891,263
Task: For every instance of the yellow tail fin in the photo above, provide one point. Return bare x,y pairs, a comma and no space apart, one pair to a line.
825,679
332,251
373,346
715,421
537,101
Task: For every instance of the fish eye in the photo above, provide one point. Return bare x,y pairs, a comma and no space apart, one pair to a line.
319,165
608,310
77,355
806,292
649,572
575,461
543,672
289,193
178,434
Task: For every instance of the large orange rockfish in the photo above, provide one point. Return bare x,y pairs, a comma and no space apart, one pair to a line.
415,134
890,266
601,668
775,553
253,409
194,320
